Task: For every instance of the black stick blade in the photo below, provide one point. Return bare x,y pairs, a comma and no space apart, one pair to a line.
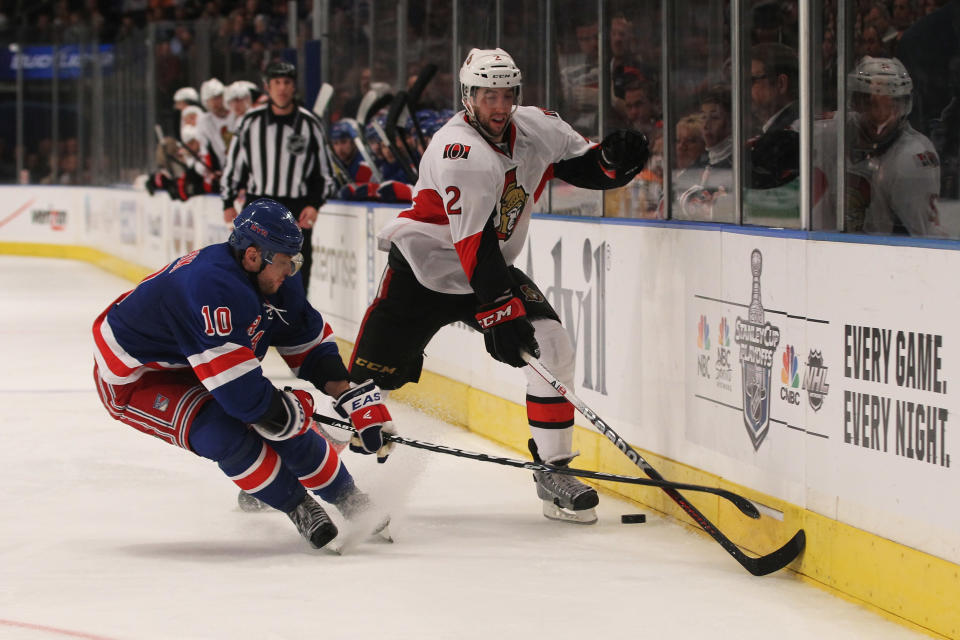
778,559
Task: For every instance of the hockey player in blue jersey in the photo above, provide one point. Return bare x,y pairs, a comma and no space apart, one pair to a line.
179,358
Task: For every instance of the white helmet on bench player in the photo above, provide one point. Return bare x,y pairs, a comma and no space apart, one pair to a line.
490,68
880,98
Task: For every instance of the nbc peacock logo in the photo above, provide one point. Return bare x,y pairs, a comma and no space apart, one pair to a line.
790,376
723,333
703,343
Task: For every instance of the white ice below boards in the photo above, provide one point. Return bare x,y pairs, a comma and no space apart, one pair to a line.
107,533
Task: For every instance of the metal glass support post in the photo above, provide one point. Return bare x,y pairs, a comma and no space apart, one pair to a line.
667,57
18,53
739,98
844,63
804,19
150,77
402,44
55,111
455,55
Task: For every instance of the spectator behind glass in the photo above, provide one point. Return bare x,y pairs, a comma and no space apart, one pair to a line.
691,153
580,81
773,87
711,197
893,172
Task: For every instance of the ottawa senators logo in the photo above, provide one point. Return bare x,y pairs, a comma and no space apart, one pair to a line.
512,203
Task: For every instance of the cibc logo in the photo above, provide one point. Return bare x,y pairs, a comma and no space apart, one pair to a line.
703,343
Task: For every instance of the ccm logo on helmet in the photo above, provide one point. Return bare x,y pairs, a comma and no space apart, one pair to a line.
456,150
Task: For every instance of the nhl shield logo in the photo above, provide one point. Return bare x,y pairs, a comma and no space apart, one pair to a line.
758,342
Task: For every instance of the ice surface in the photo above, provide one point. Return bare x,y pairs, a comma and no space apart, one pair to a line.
107,533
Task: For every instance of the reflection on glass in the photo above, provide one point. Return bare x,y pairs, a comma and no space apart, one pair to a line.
771,138
700,106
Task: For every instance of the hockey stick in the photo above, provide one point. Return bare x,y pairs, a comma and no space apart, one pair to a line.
382,102
322,102
744,505
757,566
424,77
397,107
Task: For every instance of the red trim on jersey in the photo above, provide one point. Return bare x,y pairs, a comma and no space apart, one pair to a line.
427,207
364,174
381,294
547,177
325,473
256,476
552,412
467,250
295,360
224,362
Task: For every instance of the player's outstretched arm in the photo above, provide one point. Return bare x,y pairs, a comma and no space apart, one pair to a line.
613,163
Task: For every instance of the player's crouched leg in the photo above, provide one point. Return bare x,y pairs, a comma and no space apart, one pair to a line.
255,466
246,458
320,469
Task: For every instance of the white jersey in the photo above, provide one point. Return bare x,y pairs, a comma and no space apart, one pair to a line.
464,180
216,133
894,190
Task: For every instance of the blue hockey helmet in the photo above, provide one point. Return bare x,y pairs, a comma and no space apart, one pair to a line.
270,226
342,131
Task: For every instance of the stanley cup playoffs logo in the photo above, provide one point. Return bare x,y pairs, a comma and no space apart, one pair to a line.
758,342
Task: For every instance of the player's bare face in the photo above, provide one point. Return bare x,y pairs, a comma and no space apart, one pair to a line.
274,273
878,114
492,109
281,92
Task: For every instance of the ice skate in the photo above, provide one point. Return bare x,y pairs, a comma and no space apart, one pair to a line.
250,503
564,497
312,522
357,508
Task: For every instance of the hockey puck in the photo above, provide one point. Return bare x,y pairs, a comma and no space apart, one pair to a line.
633,518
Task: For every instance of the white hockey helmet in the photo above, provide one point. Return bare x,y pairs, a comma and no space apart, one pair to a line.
186,94
237,91
492,68
880,77
210,89
192,111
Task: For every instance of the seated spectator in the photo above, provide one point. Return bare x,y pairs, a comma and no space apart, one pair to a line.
893,171
711,198
690,155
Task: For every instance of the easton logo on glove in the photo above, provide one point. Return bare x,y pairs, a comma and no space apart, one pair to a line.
511,310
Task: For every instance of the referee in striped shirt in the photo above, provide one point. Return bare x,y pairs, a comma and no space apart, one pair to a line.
279,152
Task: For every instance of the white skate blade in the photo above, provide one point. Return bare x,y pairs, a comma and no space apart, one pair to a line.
584,516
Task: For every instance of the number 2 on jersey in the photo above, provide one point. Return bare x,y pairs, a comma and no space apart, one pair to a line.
455,192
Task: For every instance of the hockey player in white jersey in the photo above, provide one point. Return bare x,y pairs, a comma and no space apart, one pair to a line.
892,170
451,254
216,125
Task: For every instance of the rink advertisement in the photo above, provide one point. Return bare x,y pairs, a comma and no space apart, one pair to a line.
818,373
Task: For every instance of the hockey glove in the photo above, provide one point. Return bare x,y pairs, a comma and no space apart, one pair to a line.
507,331
290,415
625,150
363,405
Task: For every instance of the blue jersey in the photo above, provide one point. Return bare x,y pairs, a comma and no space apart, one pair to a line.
204,312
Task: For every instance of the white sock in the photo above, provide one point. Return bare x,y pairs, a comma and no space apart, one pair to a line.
553,443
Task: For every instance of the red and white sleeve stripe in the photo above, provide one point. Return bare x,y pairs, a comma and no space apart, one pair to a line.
222,364
295,355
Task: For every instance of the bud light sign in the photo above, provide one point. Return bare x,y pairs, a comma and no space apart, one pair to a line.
37,61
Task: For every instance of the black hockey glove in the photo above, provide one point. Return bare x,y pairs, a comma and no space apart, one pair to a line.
507,331
625,150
